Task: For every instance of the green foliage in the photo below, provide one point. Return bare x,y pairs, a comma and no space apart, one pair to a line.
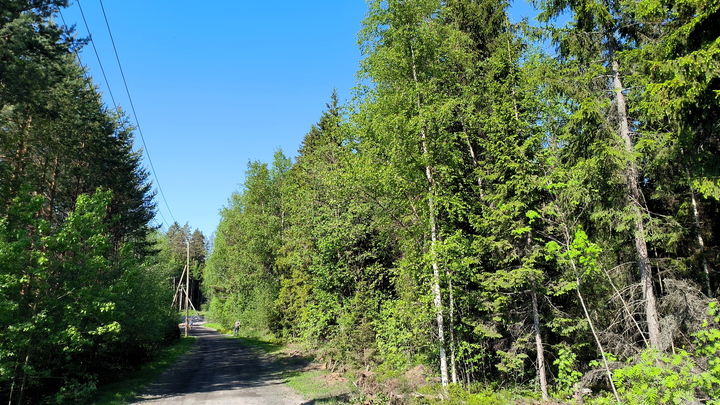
567,374
67,302
708,347
80,295
657,379
580,250
680,377
512,363
398,326
475,174
475,395
126,386
241,276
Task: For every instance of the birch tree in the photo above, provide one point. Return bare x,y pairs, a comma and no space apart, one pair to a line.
404,55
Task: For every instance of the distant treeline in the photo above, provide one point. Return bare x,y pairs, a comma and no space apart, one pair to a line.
506,203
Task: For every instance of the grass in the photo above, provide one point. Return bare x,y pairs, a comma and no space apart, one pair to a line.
120,392
217,327
316,386
249,337
266,346
313,385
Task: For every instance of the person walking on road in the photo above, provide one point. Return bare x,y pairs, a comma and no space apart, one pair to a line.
236,329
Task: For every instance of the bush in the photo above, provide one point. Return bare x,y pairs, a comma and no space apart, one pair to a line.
657,378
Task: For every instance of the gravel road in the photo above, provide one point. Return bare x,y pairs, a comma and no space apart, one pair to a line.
218,370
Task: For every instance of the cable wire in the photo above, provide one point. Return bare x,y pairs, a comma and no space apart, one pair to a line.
97,55
87,76
132,107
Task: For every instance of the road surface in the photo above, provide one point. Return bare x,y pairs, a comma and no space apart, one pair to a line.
218,370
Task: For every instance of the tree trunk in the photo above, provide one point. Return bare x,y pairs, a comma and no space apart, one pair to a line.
14,380
587,317
53,189
451,298
18,162
23,384
635,197
435,288
701,243
539,347
26,363
538,336
474,158
437,296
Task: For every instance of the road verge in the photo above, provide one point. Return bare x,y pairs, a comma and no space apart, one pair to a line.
121,391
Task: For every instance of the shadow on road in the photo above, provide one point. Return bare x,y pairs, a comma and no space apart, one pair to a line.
216,364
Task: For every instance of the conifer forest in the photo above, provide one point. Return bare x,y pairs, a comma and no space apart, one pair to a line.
523,206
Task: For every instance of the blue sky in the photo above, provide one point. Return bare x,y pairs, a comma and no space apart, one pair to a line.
216,85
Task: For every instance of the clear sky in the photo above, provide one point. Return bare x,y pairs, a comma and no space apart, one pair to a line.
218,84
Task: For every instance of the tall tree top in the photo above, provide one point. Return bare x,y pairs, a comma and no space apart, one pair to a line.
325,131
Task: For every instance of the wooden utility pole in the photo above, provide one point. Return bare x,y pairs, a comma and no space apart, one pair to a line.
187,290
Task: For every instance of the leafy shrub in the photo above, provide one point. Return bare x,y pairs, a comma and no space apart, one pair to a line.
682,377
567,374
657,379
474,395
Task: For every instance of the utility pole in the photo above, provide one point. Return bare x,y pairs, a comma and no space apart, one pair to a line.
187,290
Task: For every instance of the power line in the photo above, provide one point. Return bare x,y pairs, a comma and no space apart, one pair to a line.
97,55
132,106
107,82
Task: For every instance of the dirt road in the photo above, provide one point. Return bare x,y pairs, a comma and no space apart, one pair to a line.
218,370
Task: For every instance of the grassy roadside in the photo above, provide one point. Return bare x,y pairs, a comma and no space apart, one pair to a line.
333,384
323,387
119,392
217,327
318,384
310,381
